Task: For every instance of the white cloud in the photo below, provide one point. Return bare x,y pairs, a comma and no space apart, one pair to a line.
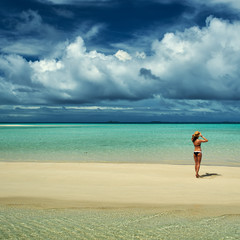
198,63
98,108
25,47
76,49
15,70
122,55
46,65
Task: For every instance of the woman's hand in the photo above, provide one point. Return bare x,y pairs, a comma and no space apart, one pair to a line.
205,140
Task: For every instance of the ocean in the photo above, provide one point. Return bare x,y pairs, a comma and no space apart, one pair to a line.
125,224
131,143
128,143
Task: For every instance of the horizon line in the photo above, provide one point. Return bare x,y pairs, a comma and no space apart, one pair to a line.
134,122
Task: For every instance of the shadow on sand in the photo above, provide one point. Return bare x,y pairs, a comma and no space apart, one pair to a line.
209,175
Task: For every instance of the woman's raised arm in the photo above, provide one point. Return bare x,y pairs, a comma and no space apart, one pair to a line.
205,140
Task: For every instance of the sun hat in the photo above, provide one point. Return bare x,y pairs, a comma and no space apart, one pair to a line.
196,134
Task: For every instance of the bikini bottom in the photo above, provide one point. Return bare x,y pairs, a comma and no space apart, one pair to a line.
196,152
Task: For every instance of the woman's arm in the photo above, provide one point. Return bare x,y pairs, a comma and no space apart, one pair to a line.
205,140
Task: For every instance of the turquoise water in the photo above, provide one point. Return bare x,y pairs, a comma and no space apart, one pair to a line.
140,143
96,224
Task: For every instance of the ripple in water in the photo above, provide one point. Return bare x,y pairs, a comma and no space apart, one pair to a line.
18,223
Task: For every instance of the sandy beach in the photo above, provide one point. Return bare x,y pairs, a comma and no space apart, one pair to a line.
110,184
118,201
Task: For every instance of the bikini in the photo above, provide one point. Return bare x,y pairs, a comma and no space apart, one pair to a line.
197,152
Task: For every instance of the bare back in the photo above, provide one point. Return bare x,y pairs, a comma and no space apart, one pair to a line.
197,145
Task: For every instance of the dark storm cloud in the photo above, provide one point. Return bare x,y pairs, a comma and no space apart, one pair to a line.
199,63
26,90
58,52
28,26
33,28
146,73
145,111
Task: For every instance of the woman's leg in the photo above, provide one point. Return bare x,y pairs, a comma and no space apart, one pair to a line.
196,161
199,158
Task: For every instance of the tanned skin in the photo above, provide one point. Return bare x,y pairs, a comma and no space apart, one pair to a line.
198,158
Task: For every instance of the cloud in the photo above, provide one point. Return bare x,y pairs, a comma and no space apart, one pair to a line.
27,47
200,63
98,108
122,55
148,74
82,76
231,3
93,31
15,70
29,35
64,13
31,23
235,4
75,2
140,55
46,66
197,63
157,109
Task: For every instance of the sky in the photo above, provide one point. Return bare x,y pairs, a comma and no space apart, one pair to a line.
119,60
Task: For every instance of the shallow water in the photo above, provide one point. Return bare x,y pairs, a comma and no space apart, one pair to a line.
20,223
143,143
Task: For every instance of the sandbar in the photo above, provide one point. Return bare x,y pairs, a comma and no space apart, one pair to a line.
72,185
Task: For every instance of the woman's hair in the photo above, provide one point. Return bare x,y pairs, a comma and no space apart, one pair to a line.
194,138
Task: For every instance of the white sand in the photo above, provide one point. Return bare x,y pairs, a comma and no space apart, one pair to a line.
116,183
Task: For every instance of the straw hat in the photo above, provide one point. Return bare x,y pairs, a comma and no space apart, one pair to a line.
196,134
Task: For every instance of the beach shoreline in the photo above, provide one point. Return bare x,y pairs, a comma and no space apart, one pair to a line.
116,185
118,201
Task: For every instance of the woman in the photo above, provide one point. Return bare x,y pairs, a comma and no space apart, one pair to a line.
197,151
